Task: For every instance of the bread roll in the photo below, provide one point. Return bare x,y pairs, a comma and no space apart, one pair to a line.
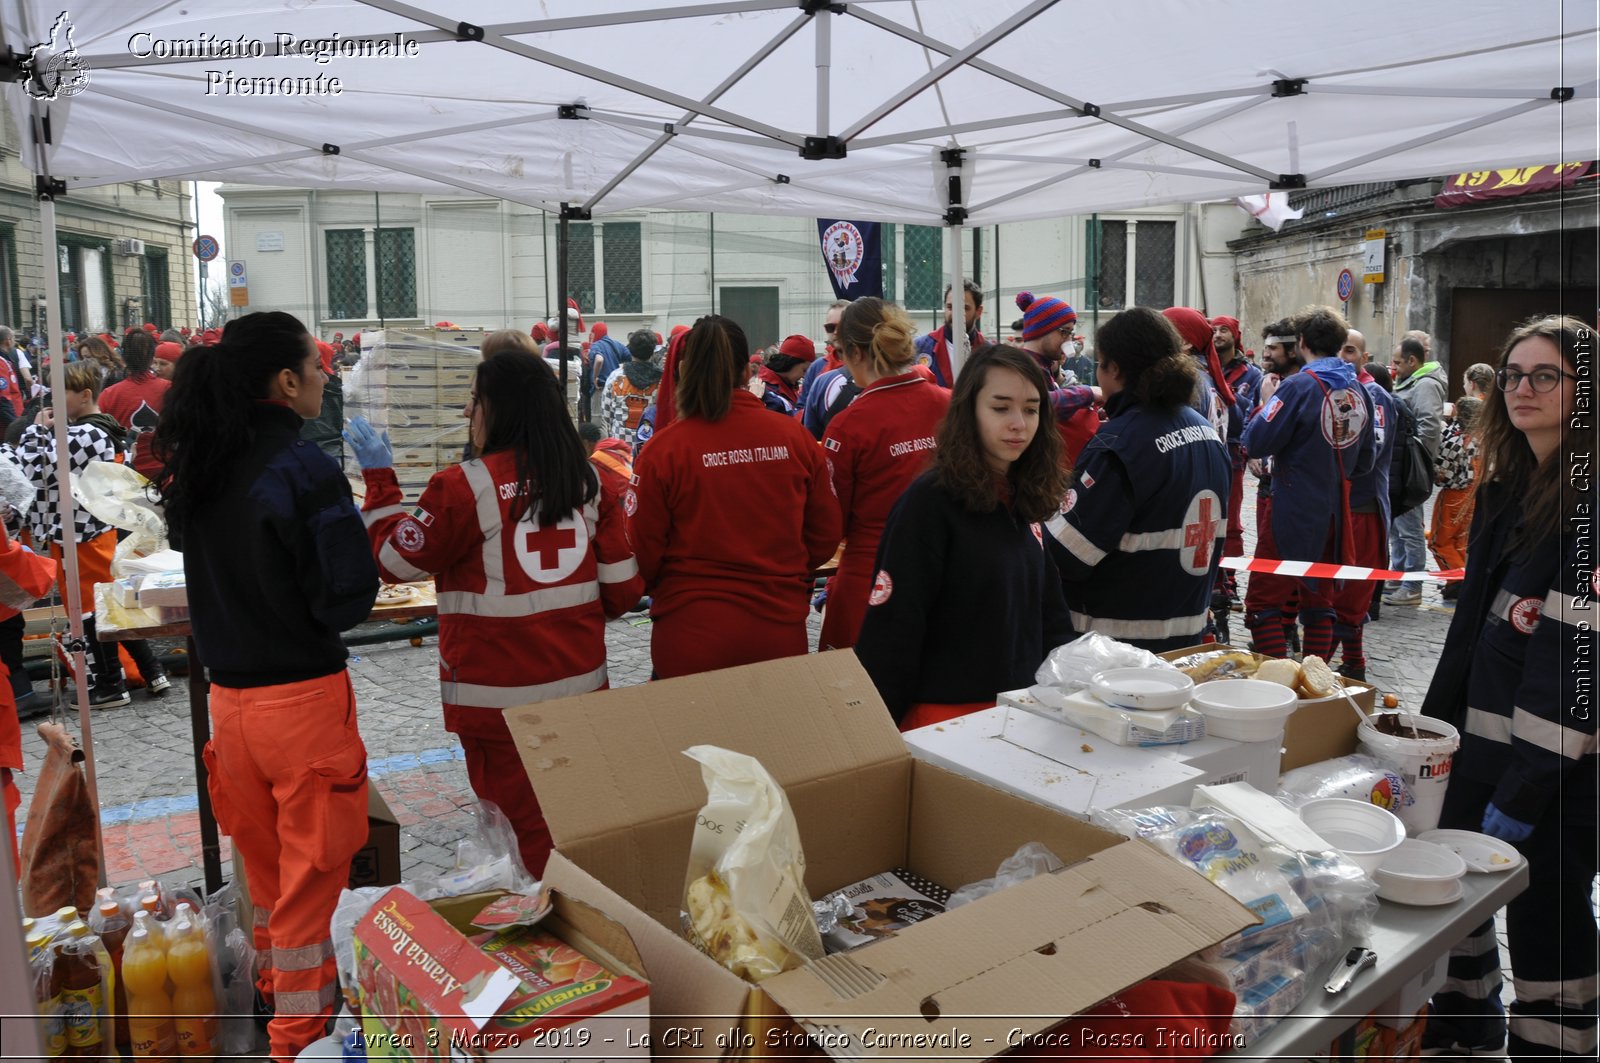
1283,672
1316,678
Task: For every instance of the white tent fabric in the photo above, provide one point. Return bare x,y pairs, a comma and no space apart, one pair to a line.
1061,107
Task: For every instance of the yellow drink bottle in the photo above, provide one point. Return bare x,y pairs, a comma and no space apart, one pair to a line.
194,1002
151,1030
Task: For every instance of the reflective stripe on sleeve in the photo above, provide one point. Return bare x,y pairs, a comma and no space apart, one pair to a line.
1139,629
393,563
619,571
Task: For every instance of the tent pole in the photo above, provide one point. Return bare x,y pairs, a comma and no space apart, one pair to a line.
68,584
959,345
824,69
561,300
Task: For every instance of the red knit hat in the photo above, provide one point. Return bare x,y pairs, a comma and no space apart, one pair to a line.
325,351
1196,332
539,332
798,346
148,327
169,351
598,332
1232,325
679,329
1042,315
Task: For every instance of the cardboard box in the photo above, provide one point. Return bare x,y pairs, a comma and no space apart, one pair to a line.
621,798
428,992
377,863
1319,728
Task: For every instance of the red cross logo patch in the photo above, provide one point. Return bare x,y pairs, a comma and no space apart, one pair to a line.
1200,533
630,501
409,536
1525,614
882,587
550,555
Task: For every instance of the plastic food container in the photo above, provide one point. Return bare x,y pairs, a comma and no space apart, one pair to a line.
1142,688
1245,710
1420,872
1364,832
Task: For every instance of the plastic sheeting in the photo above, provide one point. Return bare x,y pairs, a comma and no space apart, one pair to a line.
1062,108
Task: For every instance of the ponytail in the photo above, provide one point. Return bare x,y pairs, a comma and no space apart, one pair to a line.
715,356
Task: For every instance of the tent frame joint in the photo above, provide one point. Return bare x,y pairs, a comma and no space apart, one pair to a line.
49,187
330,149
1288,181
15,66
813,7
955,216
1289,87
1094,164
466,31
829,147
1563,93
571,213
1090,110
781,179
576,112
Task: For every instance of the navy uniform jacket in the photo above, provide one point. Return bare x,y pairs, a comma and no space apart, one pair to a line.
1318,430
1140,532
1369,492
1515,676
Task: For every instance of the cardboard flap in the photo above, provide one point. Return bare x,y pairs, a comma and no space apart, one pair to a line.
614,759
1022,958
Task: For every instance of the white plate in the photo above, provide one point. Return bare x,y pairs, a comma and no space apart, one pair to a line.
1478,850
1142,688
1454,896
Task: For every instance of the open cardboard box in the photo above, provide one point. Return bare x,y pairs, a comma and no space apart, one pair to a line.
1319,728
620,798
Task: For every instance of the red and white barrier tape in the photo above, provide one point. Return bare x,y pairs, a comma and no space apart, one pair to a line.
1324,570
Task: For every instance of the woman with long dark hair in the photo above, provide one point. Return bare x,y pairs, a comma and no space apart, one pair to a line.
277,565
530,557
732,512
1516,677
876,446
1140,532
966,603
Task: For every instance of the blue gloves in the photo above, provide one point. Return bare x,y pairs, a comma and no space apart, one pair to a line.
372,450
1505,828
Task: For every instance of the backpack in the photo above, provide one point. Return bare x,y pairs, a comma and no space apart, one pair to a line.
1410,469
632,400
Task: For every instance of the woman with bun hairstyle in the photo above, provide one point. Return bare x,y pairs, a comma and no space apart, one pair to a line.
277,565
1516,677
732,512
875,447
1140,532
966,603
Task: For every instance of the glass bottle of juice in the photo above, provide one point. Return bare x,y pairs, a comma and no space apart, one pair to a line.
144,968
194,1002
85,970
113,926
46,972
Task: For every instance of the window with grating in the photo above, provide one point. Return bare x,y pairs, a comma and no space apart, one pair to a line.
623,246
1155,259
347,273
924,247
580,265
156,285
1113,265
397,272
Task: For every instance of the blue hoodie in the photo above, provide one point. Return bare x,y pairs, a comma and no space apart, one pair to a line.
1318,429
606,354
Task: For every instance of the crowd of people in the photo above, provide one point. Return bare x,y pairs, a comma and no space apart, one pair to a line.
980,515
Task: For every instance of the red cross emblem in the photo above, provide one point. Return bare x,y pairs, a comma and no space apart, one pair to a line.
1199,533
550,554
882,588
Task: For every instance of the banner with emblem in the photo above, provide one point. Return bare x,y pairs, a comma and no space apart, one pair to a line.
853,255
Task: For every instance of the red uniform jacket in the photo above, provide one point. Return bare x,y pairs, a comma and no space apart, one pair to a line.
136,404
875,447
521,612
738,511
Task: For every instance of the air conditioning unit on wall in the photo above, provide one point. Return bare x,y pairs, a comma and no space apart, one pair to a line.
130,247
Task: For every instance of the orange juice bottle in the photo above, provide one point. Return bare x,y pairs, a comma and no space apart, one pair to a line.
194,1003
144,969
47,992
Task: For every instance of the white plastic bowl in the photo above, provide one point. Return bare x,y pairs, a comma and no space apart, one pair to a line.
1420,872
1362,831
1142,688
1245,710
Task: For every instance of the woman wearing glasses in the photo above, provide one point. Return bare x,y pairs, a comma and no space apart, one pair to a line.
1517,678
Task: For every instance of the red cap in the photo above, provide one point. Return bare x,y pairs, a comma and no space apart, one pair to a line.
679,329
148,327
325,350
443,324
798,346
211,337
184,331
598,331
169,351
1196,331
356,339
338,335
659,340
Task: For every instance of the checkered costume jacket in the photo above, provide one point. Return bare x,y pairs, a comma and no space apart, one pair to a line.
36,452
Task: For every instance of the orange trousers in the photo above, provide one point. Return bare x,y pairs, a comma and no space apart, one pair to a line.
1452,520
287,774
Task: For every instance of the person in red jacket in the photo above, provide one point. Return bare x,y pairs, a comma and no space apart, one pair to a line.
530,557
136,400
24,578
875,447
732,511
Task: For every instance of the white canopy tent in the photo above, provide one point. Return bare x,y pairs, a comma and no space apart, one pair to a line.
929,111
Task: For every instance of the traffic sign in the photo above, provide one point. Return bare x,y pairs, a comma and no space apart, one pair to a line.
206,248
1347,285
236,275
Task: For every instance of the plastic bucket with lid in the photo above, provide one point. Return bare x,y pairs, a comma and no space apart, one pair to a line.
1423,761
1245,710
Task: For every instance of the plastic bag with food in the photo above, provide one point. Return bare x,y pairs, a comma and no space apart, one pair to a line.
123,498
1070,667
744,899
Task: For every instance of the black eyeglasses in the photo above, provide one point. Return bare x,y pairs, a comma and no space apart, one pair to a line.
1543,379
831,327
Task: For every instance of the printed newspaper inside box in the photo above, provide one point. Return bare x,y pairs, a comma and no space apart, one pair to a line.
621,799
573,987
1319,728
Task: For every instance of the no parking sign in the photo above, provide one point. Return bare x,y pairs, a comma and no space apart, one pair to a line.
1347,285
